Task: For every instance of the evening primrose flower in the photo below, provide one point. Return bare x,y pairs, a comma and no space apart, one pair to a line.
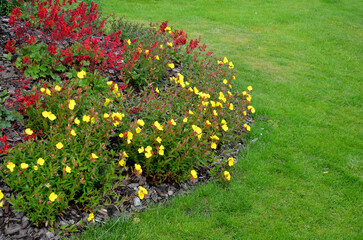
122,163
231,106
53,197
250,88
227,176
213,103
128,41
40,161
208,123
252,109
141,150
46,114
24,166
225,128
190,112
194,174
249,98
215,113
47,91
167,29
169,44
214,138
52,117
197,129
140,122
142,192
138,130
172,122
1,195
68,169
10,166
158,126
57,88
225,81
94,156
225,60
73,133
161,150
157,90
71,104
121,135
161,46
219,62
36,168
29,131
109,83
171,65
213,145
129,137
81,74
158,139
230,161
230,65
59,145
157,57
138,168
223,122
77,121
244,113
106,115
42,90
91,216
247,127
185,119
86,118
148,154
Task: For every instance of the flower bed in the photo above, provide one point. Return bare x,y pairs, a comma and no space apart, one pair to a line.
111,100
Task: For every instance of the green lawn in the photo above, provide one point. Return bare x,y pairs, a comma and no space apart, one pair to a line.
303,177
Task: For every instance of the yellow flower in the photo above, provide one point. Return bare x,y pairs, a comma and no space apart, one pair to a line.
185,119
223,122
169,44
24,166
46,114
230,65
208,123
91,216
244,113
227,176
52,117
57,88
157,57
10,166
213,145
138,130
147,52
109,83
233,77
122,163
161,47
173,122
229,93
230,161
138,168
121,135
148,154
29,131
249,98
106,115
225,128
158,139
244,93
225,60
171,65
71,104
157,90
81,74
86,118
42,90
40,161
53,197
161,150
47,91
190,112
129,137
213,103
252,109
168,29
1,195
35,168
214,137
94,156
148,149
219,62
142,192
68,169
197,129
73,133
59,145
249,88
219,104
215,113
231,106
140,122
194,174
128,41
76,121
225,81
247,127
158,126
141,150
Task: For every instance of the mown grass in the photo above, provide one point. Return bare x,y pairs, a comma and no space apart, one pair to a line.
303,177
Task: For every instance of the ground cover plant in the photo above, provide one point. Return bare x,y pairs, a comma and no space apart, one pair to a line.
302,178
103,105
